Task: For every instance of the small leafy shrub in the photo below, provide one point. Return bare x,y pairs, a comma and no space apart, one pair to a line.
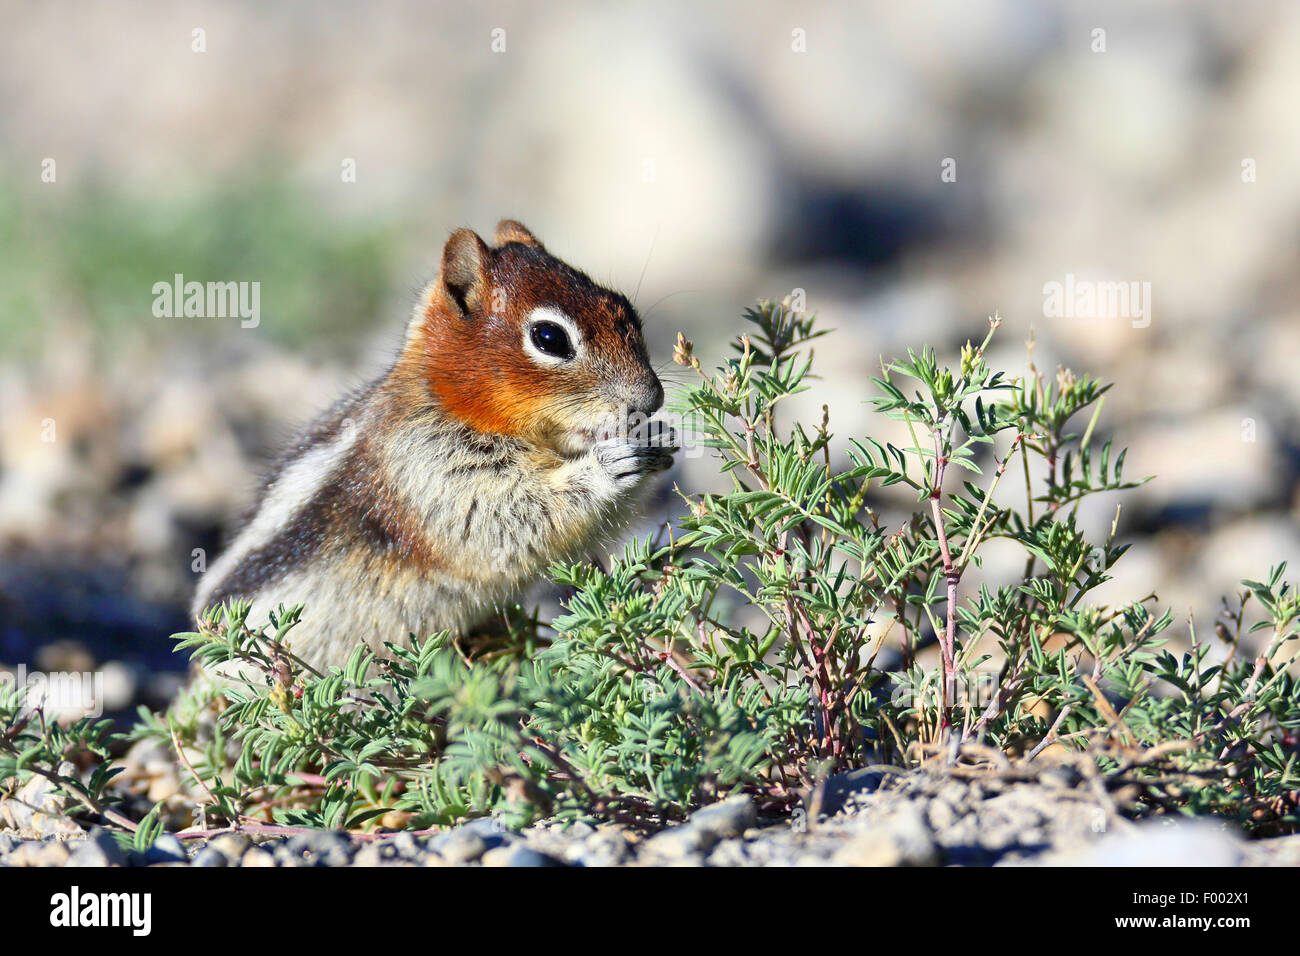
781,632
32,746
565,730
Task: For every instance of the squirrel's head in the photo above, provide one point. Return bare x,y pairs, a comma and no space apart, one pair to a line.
512,341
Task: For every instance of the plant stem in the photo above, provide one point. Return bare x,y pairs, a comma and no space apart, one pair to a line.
951,576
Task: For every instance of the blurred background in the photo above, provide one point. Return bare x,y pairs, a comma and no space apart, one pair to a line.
912,168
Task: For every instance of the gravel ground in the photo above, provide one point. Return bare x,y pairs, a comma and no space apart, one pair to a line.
865,819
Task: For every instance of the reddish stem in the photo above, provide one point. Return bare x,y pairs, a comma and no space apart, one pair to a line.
952,576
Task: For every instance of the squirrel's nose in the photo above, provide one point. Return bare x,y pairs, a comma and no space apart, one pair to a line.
654,397
642,397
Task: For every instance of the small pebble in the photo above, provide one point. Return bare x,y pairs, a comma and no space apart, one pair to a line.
461,845
256,856
209,856
523,856
730,818
166,849
230,845
100,848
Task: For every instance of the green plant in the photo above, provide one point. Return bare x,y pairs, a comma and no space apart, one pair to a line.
566,729
781,632
33,746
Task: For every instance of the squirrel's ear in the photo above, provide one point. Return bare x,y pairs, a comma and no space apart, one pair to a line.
510,231
464,270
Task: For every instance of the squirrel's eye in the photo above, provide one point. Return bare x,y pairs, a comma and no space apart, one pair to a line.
551,339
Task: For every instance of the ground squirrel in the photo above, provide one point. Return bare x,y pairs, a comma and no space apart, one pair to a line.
489,449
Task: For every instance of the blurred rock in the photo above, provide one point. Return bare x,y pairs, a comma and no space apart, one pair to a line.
730,818
900,837
1161,843
65,657
119,686
100,848
1247,548
1224,460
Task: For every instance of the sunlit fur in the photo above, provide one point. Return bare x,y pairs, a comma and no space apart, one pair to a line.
449,484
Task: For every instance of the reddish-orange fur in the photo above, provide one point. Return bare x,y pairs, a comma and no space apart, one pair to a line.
474,364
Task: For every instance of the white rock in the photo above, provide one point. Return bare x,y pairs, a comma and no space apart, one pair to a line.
1160,843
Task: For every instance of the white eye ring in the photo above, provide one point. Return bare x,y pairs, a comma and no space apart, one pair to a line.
547,313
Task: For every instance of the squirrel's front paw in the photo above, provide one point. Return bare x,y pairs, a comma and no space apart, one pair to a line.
627,462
